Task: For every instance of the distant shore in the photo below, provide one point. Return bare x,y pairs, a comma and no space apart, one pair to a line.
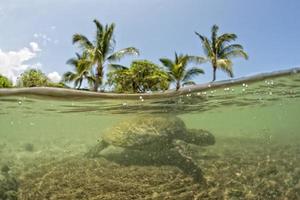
72,93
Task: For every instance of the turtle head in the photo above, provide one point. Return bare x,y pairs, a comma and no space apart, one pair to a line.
200,137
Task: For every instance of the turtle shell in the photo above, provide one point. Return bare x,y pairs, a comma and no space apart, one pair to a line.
144,132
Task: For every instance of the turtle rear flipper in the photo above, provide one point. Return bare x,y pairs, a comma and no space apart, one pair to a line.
177,158
94,152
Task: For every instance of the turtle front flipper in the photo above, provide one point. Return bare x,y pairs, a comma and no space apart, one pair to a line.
94,152
178,158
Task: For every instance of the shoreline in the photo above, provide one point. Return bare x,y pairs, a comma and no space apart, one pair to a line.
72,93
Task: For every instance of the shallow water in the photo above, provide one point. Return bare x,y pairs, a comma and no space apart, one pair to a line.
256,154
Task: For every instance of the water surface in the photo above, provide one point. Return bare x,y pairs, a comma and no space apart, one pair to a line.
256,154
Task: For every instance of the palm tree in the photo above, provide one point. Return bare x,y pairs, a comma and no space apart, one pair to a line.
101,50
219,52
178,71
82,68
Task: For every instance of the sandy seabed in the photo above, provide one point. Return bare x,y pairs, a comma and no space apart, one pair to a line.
234,169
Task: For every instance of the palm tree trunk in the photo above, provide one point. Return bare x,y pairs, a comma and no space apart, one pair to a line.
214,73
177,85
98,77
80,82
96,85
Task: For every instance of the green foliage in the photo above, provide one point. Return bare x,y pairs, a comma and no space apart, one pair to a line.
219,52
5,82
178,69
101,50
57,85
33,78
82,70
142,76
36,78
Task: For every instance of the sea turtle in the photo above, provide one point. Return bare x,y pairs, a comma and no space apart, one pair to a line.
157,140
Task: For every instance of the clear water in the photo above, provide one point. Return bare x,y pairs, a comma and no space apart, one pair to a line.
256,154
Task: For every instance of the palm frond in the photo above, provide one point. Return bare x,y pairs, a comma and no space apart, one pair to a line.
206,45
227,37
214,30
99,27
72,61
167,63
68,76
230,48
117,56
117,66
226,66
188,83
106,41
91,80
78,81
78,56
214,36
191,73
196,59
82,40
177,57
235,53
202,37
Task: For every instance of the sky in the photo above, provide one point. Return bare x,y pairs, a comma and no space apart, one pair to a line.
38,33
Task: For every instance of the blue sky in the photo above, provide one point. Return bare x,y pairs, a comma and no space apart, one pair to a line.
37,33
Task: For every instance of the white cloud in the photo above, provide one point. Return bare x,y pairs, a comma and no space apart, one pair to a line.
13,63
34,46
43,38
37,65
53,27
54,77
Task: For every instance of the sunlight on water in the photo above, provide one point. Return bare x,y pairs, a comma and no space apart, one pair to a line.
49,148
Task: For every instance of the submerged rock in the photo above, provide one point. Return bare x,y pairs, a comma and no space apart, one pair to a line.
28,147
8,185
5,169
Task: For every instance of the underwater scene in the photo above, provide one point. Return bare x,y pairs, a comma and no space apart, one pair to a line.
236,142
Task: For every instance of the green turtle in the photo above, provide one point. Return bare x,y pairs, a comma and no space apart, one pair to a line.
157,140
